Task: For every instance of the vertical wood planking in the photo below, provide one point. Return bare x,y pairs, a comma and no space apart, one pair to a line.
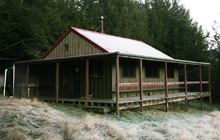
185,84
104,81
87,81
165,84
57,80
117,85
200,80
110,81
77,46
210,89
141,84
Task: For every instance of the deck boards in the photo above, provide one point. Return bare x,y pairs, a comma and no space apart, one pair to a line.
171,98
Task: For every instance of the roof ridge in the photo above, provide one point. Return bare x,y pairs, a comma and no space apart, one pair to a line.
106,34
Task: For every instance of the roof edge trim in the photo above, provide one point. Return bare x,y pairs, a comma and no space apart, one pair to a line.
165,60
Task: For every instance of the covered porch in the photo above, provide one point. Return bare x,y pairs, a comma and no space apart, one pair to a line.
193,82
98,81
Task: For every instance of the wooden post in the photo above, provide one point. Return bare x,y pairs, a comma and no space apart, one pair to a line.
186,88
86,81
27,80
210,90
166,86
141,85
13,91
200,80
117,84
57,81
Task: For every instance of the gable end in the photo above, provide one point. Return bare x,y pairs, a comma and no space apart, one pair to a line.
72,43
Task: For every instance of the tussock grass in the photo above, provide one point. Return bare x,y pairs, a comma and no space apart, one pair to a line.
13,101
32,119
90,128
14,134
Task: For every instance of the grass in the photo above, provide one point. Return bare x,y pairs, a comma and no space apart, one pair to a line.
32,119
70,109
152,113
15,134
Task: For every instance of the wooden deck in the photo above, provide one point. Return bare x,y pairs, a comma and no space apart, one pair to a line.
134,102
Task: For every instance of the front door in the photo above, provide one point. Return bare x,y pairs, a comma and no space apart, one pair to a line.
76,81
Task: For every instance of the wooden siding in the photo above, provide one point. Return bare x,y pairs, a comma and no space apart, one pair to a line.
42,80
77,47
147,90
20,87
73,85
101,86
72,79
2,75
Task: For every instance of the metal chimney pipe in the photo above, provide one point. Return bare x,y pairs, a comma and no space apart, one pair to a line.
102,24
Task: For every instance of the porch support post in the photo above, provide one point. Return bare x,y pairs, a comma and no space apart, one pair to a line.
86,81
141,84
200,80
166,86
13,91
57,80
117,85
27,80
210,90
186,88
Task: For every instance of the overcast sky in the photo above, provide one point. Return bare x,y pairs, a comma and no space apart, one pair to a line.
203,11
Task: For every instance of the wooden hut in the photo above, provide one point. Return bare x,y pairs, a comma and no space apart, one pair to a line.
100,70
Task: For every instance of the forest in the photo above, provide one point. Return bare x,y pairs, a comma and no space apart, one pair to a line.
29,27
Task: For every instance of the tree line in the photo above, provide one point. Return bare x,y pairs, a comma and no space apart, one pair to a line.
29,27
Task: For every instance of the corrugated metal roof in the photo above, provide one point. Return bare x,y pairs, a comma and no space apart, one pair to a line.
113,44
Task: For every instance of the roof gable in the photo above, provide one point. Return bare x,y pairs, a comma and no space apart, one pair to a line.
72,44
112,44
105,43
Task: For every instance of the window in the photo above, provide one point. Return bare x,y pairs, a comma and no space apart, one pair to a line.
128,70
66,47
170,72
152,70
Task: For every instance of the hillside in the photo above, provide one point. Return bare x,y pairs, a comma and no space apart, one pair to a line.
25,119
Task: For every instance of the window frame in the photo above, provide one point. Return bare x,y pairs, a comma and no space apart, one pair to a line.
171,72
152,70
128,69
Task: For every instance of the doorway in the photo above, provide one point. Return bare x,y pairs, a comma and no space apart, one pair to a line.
77,80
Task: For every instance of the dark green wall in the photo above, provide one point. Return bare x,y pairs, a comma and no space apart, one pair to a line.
101,86
20,87
72,79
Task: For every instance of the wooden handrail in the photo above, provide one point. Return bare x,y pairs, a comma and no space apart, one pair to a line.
161,83
145,90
